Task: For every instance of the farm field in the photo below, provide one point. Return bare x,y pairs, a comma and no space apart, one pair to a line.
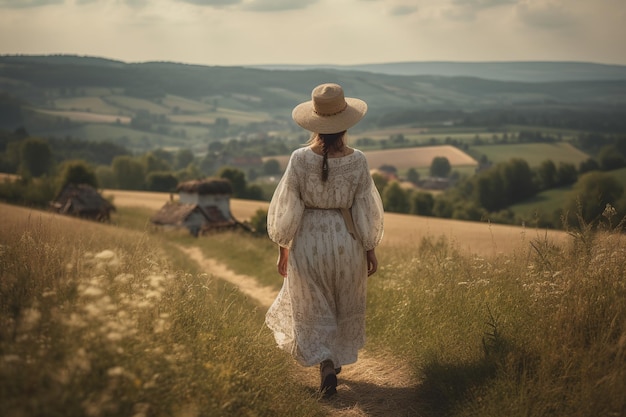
470,237
403,159
533,153
88,117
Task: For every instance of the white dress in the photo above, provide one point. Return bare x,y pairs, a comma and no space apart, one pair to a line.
319,313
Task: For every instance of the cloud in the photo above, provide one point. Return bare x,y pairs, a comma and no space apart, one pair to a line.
277,5
483,4
23,4
467,10
545,14
212,3
403,10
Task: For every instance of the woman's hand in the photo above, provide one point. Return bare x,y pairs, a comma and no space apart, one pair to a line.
283,257
372,262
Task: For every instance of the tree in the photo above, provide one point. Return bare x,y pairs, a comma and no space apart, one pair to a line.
422,204
183,158
380,182
566,174
105,176
129,173
35,157
611,158
259,222
152,163
591,194
412,175
440,167
163,181
237,180
588,165
395,199
547,174
271,167
77,172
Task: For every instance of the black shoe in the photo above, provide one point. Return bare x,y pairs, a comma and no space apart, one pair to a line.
328,377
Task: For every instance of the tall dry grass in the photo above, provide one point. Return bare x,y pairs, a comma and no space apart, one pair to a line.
536,332
103,321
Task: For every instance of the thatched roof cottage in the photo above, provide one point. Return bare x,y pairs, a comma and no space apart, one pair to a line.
83,201
202,206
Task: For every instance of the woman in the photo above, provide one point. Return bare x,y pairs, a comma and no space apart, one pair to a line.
327,218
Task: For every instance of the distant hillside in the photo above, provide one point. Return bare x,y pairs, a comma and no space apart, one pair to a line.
500,71
31,78
144,105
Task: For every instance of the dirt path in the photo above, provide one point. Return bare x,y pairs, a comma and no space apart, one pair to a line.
372,387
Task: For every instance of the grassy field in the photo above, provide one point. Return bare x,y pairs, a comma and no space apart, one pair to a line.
536,329
533,153
103,321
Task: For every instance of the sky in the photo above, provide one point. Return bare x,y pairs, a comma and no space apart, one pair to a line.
317,32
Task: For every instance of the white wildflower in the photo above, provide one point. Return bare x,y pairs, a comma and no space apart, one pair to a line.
154,294
75,321
123,278
29,319
156,280
92,291
114,336
105,255
115,371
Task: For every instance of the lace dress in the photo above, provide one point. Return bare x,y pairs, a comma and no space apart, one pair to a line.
319,313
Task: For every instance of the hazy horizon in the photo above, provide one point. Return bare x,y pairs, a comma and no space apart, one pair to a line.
317,32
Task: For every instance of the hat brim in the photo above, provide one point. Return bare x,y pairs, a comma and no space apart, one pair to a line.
304,116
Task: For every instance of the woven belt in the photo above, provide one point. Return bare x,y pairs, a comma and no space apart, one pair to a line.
346,213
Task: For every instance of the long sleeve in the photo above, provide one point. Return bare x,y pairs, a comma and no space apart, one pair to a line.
367,212
286,208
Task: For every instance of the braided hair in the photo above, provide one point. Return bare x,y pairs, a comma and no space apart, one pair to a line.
329,142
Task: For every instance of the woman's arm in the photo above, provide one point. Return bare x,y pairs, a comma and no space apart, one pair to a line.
372,262
283,257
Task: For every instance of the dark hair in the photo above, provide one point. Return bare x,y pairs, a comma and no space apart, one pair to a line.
329,142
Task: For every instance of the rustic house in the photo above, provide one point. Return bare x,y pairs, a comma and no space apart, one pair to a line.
84,201
202,206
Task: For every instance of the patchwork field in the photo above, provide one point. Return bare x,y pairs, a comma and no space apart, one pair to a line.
403,159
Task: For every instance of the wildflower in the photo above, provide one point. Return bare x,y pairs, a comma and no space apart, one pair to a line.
123,278
29,319
105,255
114,336
609,211
115,371
92,291
75,321
155,280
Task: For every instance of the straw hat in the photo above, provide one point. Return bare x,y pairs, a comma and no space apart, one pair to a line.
329,111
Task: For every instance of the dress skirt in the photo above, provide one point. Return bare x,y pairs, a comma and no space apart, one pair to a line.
319,313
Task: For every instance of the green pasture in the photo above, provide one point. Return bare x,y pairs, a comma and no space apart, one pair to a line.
545,203
533,153
548,202
209,117
185,105
137,104
93,104
122,135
